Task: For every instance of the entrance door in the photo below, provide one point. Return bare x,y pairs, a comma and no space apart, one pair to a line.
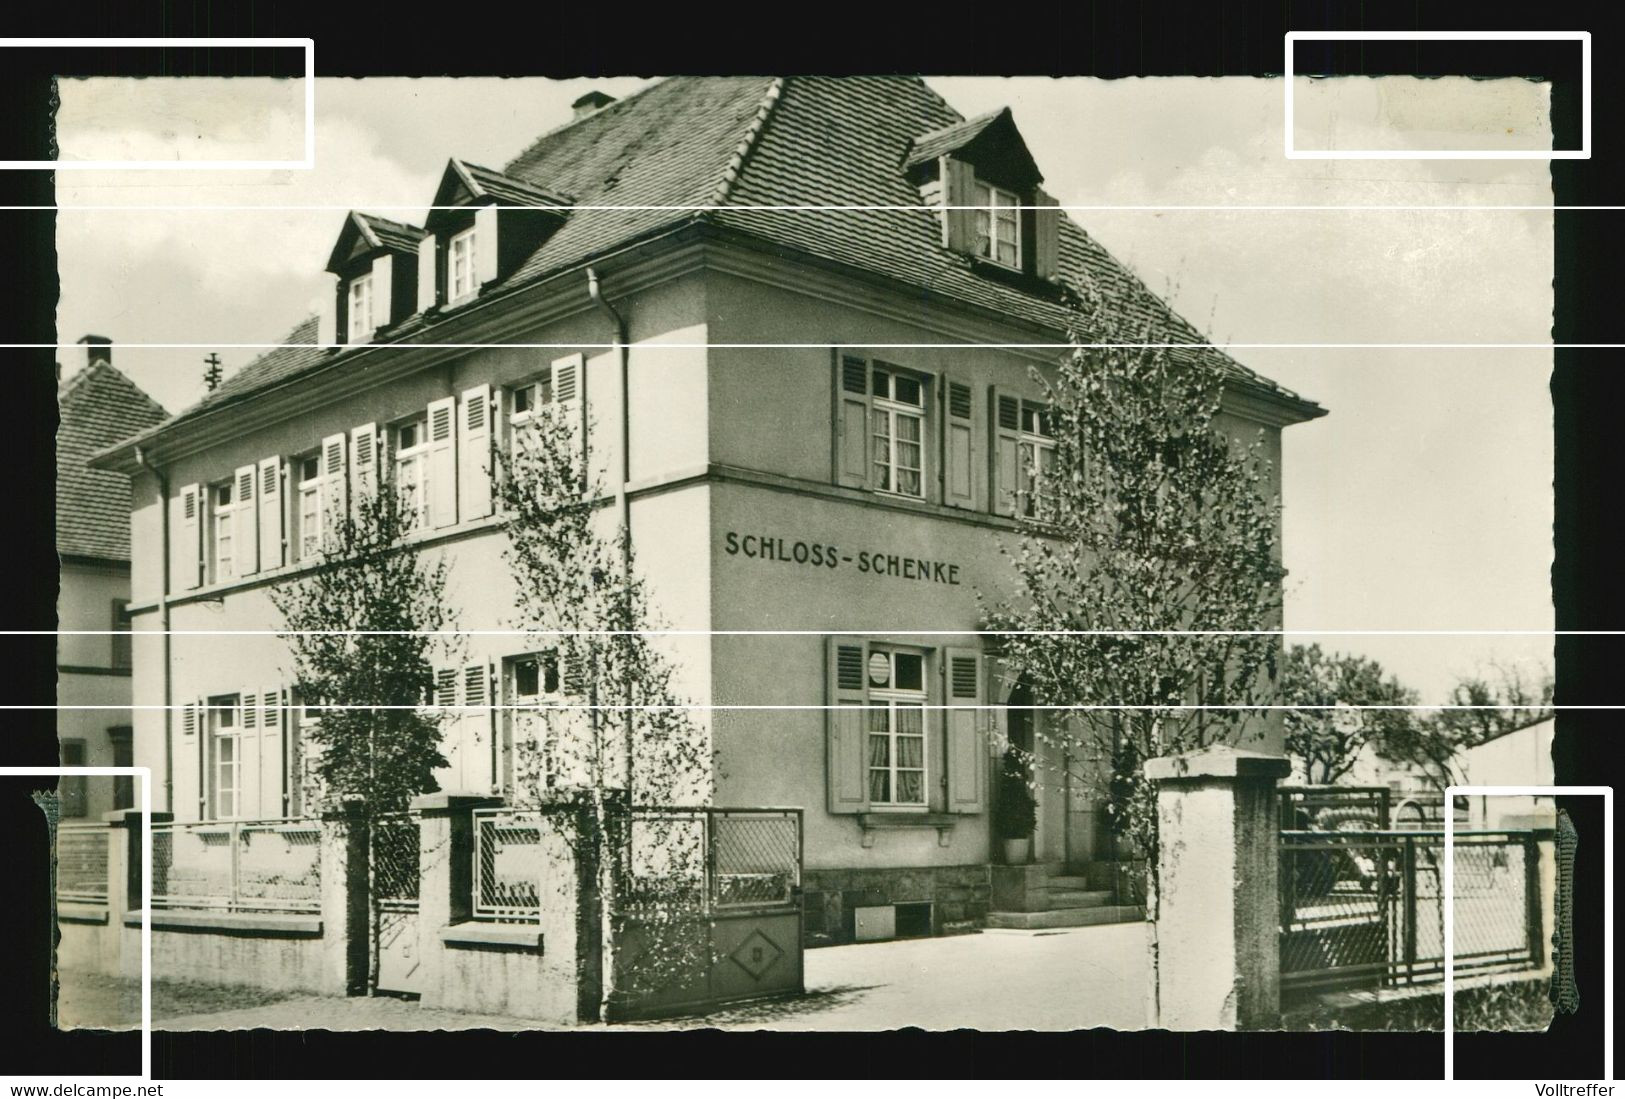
1021,720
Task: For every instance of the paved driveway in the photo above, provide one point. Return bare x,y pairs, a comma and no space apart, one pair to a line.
1068,979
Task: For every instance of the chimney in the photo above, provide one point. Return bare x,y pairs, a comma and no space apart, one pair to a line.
591,102
98,349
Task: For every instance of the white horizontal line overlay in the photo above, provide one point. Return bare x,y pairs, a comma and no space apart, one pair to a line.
689,345
1190,207
531,707
537,632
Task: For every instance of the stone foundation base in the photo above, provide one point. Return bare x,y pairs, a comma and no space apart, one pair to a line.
959,898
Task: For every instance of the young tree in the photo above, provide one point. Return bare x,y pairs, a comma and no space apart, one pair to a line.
1147,519
627,743
361,626
1327,743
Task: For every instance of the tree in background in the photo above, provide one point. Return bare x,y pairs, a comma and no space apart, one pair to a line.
1527,695
1327,743
627,740
1148,518
361,628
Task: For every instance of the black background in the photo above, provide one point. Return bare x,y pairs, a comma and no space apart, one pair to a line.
1108,40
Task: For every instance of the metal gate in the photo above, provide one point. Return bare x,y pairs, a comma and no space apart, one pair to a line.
725,922
1366,906
395,840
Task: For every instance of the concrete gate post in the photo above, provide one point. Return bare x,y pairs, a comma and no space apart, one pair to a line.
1216,958
345,917
121,945
445,877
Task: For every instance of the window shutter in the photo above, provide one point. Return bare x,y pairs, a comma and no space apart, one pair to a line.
851,450
967,780
382,297
335,487
958,460
426,273
476,720
1004,425
363,463
569,384
327,318
248,753
272,539
474,453
485,245
188,721
270,756
189,538
958,190
571,681
442,463
1046,235
847,760
246,510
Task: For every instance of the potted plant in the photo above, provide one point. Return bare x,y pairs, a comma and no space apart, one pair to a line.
1016,812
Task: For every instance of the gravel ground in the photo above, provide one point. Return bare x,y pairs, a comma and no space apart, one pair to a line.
1069,979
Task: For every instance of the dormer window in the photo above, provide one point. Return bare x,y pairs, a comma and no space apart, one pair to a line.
360,312
998,225
980,174
461,279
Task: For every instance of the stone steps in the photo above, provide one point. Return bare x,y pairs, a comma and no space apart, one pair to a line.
1066,917
1077,898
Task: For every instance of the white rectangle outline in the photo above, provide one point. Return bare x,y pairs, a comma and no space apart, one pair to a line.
307,44
1582,37
1447,888
145,775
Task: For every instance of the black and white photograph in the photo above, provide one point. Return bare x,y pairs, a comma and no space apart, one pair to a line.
810,553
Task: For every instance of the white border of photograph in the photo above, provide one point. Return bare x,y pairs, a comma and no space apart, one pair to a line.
1448,887
307,44
1582,37
144,775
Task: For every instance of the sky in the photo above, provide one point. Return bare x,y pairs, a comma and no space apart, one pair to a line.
1422,502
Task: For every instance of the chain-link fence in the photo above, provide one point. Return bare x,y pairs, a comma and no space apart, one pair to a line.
81,862
238,866
1370,904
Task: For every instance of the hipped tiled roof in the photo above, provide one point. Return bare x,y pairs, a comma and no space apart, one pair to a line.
98,407
732,145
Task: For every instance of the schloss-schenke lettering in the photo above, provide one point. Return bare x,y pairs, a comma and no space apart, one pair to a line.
1554,1090
902,566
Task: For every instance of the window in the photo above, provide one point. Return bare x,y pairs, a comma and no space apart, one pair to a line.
224,515
896,728
897,423
360,314
998,225
1036,449
460,270
120,655
70,789
533,681
310,505
225,748
525,399
412,470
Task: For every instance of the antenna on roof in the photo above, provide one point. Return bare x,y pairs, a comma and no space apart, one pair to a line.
211,376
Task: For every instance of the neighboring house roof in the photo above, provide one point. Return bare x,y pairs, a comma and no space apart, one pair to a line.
99,407
1544,726
748,154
